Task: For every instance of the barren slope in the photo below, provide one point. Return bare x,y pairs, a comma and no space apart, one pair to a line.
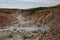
36,24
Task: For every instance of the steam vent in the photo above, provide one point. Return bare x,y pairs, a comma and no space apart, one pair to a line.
42,23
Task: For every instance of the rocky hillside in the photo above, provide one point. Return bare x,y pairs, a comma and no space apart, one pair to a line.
42,23
41,15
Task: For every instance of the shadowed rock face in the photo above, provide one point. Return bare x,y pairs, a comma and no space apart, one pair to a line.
7,17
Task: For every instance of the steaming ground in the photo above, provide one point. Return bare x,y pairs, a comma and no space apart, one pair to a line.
24,25
35,28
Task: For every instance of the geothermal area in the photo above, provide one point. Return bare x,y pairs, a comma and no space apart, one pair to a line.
41,23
